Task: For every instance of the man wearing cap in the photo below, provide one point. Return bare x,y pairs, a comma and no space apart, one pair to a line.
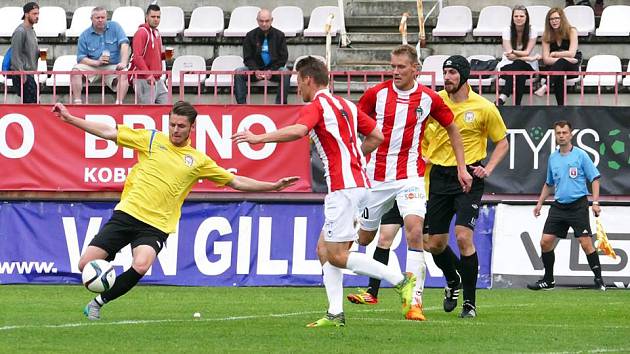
478,119
24,55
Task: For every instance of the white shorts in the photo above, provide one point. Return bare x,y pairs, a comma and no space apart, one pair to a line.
409,193
341,209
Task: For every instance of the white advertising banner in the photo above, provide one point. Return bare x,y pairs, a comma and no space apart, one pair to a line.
516,249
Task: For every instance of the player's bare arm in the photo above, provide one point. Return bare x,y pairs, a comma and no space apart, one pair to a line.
500,150
99,129
465,179
289,133
247,184
372,141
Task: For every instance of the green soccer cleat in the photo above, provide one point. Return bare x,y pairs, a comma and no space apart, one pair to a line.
405,289
329,320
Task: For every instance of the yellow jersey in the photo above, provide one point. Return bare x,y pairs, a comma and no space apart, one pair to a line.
427,149
477,119
159,182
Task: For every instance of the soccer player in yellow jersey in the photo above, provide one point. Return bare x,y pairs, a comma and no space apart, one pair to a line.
150,204
478,120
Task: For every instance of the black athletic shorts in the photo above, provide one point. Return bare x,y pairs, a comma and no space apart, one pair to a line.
123,229
392,217
562,216
446,199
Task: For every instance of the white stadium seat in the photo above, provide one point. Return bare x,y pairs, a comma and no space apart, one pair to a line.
453,21
602,63
614,21
223,63
62,63
288,19
129,18
318,19
582,18
52,22
433,63
189,63
242,20
11,17
81,20
205,21
474,80
493,20
293,79
172,21
537,16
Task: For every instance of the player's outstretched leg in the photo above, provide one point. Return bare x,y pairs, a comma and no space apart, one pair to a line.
92,310
330,320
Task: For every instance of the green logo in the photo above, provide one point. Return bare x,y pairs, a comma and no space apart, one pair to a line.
537,133
613,150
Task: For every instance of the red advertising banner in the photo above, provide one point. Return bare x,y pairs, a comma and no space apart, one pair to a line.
38,152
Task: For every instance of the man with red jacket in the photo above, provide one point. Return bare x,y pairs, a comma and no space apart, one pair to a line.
147,56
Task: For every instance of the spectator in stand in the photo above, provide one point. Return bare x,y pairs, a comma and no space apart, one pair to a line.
148,55
597,9
24,54
264,49
518,42
560,53
103,46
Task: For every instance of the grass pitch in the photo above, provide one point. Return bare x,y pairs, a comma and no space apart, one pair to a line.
46,318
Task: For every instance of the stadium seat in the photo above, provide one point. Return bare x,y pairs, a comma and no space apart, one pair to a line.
11,17
318,19
62,63
614,21
172,21
582,18
297,60
205,21
80,21
188,63
129,18
433,63
223,63
492,21
537,15
242,20
52,22
602,63
453,21
288,19
474,80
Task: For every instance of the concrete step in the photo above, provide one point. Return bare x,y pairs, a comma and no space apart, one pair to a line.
373,55
378,23
385,7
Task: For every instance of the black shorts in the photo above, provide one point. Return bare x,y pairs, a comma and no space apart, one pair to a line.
562,216
123,229
446,199
392,217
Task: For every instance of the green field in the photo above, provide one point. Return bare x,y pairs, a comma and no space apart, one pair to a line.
40,318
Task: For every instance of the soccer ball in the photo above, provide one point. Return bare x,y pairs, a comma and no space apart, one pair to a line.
98,276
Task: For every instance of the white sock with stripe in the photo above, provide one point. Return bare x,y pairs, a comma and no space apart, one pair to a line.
333,282
364,265
417,265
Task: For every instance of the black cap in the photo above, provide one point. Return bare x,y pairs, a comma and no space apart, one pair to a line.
28,7
460,64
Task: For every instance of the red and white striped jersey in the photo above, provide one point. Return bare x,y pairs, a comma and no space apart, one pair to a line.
401,116
333,123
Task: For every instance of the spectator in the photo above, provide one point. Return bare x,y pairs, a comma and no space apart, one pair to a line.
518,42
264,49
103,46
148,55
597,9
559,43
25,53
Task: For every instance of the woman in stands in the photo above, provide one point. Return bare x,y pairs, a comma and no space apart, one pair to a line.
518,42
560,53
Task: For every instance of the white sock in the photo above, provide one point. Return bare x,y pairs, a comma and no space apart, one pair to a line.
503,97
333,282
417,266
364,265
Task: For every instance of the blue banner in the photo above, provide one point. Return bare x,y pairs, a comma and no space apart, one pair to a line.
217,244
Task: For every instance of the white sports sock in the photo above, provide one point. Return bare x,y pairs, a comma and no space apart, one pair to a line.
333,282
417,265
364,265
503,97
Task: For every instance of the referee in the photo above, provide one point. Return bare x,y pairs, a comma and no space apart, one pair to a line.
478,120
569,170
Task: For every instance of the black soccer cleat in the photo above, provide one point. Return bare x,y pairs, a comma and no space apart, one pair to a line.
542,284
468,310
599,284
451,293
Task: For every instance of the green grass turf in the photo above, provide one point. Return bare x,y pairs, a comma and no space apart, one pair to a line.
46,318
